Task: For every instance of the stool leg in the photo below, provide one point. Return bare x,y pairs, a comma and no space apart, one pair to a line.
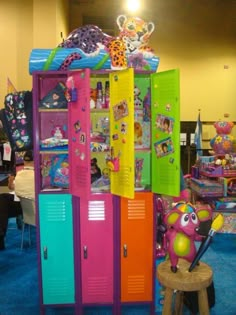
203,302
167,302
179,303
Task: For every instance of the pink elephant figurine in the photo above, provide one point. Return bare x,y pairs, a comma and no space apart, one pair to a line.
182,225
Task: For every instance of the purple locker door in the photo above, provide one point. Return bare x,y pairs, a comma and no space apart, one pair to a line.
79,134
97,248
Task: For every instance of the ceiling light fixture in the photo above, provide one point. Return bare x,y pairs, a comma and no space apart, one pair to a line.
133,5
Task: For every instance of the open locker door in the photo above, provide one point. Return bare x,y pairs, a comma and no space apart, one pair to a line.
166,132
122,133
79,135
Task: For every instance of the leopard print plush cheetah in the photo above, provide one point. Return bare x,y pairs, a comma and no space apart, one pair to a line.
134,34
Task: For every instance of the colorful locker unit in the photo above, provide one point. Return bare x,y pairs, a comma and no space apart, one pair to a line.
109,222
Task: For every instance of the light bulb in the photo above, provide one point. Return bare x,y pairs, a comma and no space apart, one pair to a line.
133,5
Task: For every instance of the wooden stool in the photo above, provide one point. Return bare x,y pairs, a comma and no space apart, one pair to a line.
183,280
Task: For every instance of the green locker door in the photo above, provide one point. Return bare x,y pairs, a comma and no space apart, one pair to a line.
56,243
165,132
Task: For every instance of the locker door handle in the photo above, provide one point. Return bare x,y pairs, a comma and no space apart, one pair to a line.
85,249
45,252
125,250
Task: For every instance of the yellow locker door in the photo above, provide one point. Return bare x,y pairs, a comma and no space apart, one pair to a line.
122,132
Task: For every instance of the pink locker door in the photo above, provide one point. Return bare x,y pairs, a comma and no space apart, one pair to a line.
96,221
79,134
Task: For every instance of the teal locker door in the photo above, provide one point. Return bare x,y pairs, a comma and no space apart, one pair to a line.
56,243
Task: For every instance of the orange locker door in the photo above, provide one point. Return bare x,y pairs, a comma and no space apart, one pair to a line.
137,248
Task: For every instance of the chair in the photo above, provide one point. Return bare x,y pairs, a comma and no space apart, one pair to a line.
183,280
29,216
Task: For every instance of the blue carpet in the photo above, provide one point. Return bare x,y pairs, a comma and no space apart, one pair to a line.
19,275
221,256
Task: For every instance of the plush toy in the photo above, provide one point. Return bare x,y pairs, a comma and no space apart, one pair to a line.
222,143
133,39
182,223
138,103
135,33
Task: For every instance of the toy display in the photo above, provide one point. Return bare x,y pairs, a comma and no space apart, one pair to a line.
207,187
182,223
57,141
89,47
218,165
16,117
222,143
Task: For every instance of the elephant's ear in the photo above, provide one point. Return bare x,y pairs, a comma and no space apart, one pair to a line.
151,27
121,19
204,214
172,217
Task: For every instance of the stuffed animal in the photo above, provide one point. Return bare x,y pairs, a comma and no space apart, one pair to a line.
133,39
182,223
138,103
222,143
135,33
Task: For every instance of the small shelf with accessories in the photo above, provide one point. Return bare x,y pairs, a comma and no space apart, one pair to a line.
214,182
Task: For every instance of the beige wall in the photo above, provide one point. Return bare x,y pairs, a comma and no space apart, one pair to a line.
8,39
198,37
25,25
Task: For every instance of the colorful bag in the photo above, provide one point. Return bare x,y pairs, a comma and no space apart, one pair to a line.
55,98
17,117
59,171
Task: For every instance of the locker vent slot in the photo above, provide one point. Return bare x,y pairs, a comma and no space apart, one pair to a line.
96,210
58,287
136,284
56,211
122,179
97,286
136,209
